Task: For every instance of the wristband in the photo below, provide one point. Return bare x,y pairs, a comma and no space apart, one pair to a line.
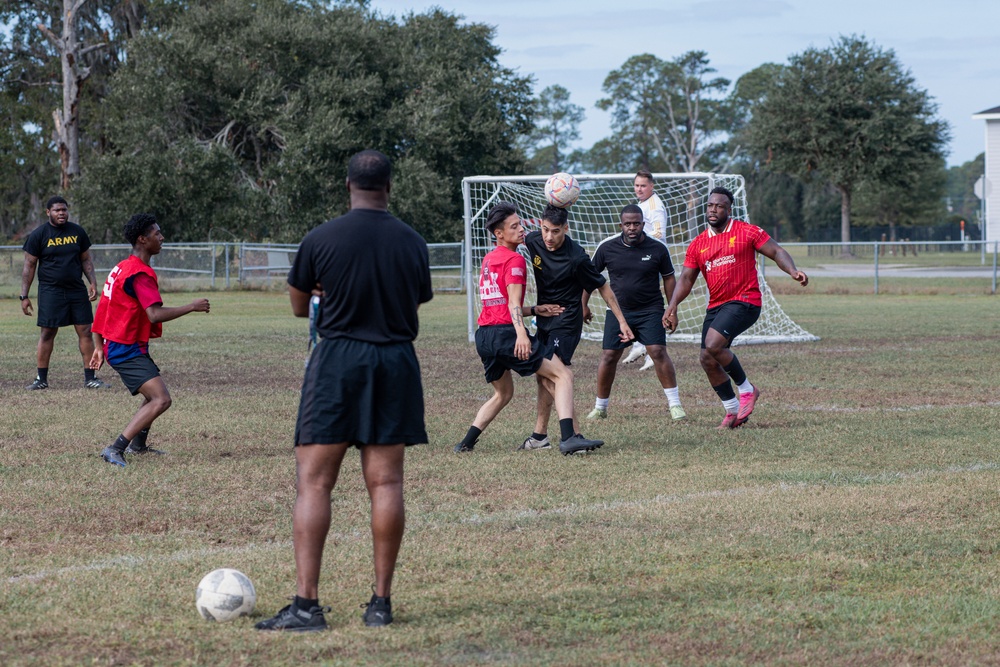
24,297
532,310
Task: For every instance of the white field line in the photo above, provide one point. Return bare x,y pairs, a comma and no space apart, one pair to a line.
522,515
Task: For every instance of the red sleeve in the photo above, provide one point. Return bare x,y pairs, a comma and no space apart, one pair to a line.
147,293
690,256
758,237
516,270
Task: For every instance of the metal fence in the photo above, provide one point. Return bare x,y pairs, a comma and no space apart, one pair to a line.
194,266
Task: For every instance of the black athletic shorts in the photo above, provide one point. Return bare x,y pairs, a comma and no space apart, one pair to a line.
61,307
562,341
730,319
136,371
646,326
495,345
361,393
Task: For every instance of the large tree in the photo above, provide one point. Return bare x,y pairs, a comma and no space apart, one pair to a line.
851,112
557,125
673,115
240,116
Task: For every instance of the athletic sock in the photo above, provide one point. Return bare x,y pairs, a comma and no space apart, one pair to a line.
539,436
305,604
43,374
471,437
673,396
140,438
566,428
119,444
732,405
602,403
735,371
88,374
745,388
725,391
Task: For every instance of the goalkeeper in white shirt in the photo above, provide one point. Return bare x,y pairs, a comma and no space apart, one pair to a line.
654,224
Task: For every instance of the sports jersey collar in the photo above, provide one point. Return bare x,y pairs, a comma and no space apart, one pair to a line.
712,232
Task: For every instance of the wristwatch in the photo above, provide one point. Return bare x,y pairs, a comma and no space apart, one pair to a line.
23,297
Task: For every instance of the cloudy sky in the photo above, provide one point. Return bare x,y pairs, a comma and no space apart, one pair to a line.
951,48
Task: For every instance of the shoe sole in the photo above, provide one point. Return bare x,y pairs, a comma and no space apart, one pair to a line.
310,629
114,463
575,450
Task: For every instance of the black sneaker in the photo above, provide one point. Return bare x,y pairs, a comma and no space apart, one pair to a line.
578,443
38,384
462,447
378,612
133,448
293,619
96,383
112,455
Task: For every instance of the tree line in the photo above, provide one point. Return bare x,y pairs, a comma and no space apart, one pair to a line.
232,119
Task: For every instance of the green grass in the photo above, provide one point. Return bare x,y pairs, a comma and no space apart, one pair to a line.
854,521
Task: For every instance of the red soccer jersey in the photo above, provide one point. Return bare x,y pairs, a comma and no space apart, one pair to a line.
120,317
728,260
501,267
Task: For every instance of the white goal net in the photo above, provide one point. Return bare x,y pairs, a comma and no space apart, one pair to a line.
594,217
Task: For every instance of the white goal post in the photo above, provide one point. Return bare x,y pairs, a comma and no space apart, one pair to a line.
594,217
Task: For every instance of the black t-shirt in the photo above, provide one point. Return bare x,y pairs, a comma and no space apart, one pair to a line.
561,276
58,250
375,271
635,271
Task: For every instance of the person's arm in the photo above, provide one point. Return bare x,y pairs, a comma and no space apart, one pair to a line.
609,298
669,283
160,313
780,256
680,292
522,348
542,310
658,218
27,276
300,301
88,271
97,359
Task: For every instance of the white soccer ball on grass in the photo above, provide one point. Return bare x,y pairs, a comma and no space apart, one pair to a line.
225,594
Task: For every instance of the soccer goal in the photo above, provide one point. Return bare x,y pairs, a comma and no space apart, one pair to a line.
594,217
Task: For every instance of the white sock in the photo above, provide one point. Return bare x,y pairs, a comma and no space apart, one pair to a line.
745,388
602,403
732,406
673,396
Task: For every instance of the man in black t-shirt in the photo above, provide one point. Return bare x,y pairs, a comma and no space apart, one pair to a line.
636,264
60,250
563,273
362,385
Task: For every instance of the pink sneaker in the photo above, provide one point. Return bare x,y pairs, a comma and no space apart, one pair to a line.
727,422
747,403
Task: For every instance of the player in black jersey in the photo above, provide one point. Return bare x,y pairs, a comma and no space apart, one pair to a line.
563,273
636,264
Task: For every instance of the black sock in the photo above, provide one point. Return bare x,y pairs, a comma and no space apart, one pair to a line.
471,437
140,438
725,391
305,604
539,436
566,428
735,371
88,374
43,374
119,444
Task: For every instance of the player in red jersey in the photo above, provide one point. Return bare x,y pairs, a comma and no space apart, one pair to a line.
129,313
504,344
726,254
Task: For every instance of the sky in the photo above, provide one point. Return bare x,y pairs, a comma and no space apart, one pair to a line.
952,48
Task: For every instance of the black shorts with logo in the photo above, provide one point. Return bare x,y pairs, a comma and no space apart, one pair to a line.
562,341
646,326
730,319
361,393
61,307
136,371
495,345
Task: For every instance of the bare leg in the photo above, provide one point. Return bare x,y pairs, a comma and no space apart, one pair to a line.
316,470
503,391
560,377
714,356
606,371
543,405
86,342
155,401
382,466
663,365
46,340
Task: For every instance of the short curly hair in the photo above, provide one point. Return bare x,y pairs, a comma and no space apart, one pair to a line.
137,226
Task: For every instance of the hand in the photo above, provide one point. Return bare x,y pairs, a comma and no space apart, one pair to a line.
199,306
670,320
318,291
587,315
801,277
626,332
96,359
26,306
92,293
548,310
522,348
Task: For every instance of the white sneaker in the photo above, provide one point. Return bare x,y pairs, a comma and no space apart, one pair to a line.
531,443
637,352
648,364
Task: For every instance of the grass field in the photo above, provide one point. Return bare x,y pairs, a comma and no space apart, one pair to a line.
854,521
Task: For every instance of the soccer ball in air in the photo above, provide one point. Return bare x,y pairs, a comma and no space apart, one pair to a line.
562,189
225,594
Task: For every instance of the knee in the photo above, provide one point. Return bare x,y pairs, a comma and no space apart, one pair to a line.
162,403
707,359
657,353
503,397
